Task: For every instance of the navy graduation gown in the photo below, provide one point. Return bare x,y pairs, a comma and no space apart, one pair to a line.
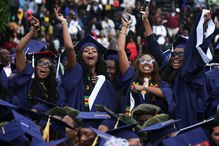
166,104
213,100
3,85
73,87
21,84
189,86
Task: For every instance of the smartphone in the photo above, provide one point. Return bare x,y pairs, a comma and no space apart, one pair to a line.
127,17
146,3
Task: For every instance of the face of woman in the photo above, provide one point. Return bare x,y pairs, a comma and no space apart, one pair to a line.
177,58
90,56
146,64
43,68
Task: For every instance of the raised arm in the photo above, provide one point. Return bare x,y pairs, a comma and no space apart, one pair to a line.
123,59
69,48
153,45
20,56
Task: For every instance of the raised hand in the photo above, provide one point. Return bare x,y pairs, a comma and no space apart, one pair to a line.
59,15
126,23
35,24
146,14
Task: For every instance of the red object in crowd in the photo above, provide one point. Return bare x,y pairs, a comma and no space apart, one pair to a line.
132,49
173,21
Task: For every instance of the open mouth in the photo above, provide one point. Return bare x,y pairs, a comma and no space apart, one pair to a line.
146,68
90,58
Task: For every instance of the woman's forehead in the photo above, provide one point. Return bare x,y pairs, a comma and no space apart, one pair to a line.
146,56
90,47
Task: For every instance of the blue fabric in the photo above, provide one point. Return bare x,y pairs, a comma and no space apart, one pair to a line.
166,104
73,88
189,86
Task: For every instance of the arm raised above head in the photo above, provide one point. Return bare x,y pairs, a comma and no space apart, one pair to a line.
123,59
69,48
20,56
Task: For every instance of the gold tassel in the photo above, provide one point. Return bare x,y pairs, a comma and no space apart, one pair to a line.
95,141
46,131
117,123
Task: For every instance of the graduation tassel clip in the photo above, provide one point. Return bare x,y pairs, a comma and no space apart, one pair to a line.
46,131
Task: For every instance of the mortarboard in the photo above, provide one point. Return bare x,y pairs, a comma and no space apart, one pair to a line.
146,109
193,137
10,131
114,121
5,110
179,42
60,111
43,105
33,46
89,41
159,130
102,135
200,124
27,125
92,119
36,142
126,131
111,55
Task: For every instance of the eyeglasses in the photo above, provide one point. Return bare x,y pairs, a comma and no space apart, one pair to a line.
174,54
42,63
144,61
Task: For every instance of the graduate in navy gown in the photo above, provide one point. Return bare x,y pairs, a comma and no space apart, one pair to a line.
42,85
85,80
184,71
143,83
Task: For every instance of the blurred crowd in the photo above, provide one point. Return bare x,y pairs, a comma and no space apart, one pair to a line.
101,19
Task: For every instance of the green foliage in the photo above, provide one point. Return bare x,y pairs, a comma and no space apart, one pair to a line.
4,13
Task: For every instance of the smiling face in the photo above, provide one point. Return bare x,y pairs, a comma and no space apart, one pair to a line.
177,58
43,68
111,69
146,64
90,56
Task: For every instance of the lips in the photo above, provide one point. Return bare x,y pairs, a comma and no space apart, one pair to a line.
90,57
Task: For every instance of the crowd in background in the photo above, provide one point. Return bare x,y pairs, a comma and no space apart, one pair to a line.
101,19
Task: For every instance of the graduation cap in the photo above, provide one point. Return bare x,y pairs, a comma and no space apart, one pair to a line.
111,55
159,130
27,125
60,111
89,41
126,131
92,119
33,46
36,142
101,135
114,121
193,137
43,105
146,109
5,111
53,125
200,124
179,42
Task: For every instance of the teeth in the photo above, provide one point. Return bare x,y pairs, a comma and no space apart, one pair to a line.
146,68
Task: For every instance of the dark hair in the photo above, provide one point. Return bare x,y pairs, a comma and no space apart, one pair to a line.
155,77
50,84
100,66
